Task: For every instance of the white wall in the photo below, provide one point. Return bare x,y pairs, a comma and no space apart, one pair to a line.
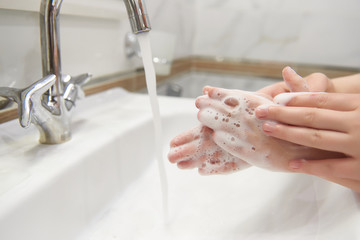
175,17
322,32
91,41
88,44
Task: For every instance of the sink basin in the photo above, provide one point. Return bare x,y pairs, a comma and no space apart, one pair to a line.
104,184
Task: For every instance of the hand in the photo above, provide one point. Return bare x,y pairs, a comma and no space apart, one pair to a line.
196,149
230,113
316,82
327,121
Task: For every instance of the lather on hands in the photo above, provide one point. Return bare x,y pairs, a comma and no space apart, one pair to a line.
195,148
233,130
308,136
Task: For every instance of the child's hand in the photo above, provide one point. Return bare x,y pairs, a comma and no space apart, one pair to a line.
196,149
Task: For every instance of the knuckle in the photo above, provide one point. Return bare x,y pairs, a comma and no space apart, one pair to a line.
309,117
274,112
316,137
321,100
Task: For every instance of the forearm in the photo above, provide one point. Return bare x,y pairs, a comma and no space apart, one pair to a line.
347,84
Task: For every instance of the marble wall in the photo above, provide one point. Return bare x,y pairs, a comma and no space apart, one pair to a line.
324,32
88,44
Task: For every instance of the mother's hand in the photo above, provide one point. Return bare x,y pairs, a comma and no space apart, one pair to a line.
327,121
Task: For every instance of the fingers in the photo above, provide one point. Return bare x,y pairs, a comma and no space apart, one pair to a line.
188,147
323,119
212,92
215,108
294,82
344,171
222,162
342,168
313,127
232,98
196,149
191,135
182,153
224,109
315,138
226,168
216,95
186,137
237,146
333,101
189,155
191,163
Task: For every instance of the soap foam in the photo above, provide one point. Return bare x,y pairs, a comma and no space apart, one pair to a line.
284,98
235,137
234,126
200,151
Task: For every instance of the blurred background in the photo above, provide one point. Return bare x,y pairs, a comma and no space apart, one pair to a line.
230,34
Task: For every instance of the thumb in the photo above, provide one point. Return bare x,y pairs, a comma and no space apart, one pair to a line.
294,81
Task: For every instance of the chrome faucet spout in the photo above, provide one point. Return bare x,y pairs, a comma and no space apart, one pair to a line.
138,16
50,44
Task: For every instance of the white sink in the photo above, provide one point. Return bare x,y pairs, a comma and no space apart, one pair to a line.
104,184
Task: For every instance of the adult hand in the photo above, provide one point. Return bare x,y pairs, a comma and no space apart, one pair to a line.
196,149
230,114
316,82
327,121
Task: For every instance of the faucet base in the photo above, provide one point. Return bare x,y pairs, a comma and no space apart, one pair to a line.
50,140
54,129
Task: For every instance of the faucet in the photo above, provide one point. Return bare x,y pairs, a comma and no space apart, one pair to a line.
53,116
138,16
48,103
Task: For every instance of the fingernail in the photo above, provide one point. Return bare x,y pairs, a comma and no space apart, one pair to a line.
290,69
269,126
296,164
262,111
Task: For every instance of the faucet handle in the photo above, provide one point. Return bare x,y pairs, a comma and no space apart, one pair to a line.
31,96
27,97
73,88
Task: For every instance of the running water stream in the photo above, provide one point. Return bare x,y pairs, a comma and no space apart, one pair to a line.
150,75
